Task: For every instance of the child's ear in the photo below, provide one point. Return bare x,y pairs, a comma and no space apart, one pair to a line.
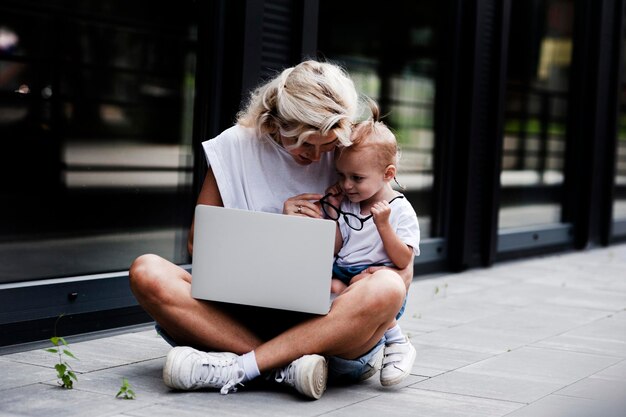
390,172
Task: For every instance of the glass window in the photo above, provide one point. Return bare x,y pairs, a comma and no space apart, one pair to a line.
391,54
540,50
619,204
96,104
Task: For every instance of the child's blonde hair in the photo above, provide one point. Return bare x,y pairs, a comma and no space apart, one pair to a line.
310,98
372,133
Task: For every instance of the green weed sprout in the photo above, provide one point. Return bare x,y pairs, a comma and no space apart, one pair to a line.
125,391
64,370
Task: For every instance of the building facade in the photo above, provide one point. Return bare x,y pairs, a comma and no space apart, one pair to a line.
511,115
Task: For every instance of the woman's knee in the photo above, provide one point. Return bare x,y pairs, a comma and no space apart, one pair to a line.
142,276
381,292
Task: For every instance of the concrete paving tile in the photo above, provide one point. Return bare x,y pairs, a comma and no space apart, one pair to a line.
415,402
427,372
415,325
16,374
521,294
145,379
562,406
539,321
595,389
574,343
457,311
100,353
605,336
596,299
444,358
550,366
615,372
44,400
251,402
474,339
505,388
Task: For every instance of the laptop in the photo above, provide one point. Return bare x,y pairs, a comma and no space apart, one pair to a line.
262,259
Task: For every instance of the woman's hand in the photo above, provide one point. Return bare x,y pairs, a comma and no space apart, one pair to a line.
303,205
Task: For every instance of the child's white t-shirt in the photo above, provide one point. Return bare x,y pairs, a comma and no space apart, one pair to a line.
365,247
258,174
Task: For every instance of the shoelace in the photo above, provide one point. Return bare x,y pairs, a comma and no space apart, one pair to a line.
286,375
225,373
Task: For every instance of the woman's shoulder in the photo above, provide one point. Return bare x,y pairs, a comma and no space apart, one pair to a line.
237,133
236,136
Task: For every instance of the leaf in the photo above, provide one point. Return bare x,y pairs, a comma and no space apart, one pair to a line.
118,393
63,341
72,375
52,350
61,368
70,354
67,382
55,341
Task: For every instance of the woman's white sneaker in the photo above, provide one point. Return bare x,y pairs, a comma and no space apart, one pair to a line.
308,375
190,369
397,363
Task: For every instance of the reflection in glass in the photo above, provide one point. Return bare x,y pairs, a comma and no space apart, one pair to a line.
540,49
96,104
619,203
393,60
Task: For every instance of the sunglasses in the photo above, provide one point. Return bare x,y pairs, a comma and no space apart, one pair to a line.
353,221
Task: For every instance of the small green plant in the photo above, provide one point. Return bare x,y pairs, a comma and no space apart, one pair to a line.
64,370
125,391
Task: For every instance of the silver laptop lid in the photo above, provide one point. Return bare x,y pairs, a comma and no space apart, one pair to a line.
262,259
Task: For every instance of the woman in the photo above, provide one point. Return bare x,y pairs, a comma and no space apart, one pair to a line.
278,157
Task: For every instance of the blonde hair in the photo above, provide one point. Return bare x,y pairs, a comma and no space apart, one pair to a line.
372,133
310,98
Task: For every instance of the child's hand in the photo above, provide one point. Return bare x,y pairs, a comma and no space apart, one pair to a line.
336,195
380,212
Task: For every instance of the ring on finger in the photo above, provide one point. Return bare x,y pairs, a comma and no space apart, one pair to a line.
299,209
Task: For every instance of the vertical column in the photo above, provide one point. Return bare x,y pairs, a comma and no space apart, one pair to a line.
473,145
590,164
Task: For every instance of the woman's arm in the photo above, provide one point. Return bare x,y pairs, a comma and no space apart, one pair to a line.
210,196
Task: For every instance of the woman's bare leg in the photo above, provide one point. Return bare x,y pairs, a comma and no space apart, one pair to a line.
356,322
163,289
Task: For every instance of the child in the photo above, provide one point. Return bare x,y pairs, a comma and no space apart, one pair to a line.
378,226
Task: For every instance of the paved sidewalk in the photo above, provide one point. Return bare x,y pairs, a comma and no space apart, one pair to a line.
531,338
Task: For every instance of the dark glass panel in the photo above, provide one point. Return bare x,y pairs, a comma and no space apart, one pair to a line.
540,47
96,104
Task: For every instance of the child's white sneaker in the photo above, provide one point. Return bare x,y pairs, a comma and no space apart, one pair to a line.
397,363
373,365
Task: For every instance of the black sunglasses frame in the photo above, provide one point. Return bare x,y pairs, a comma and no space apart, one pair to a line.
347,216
